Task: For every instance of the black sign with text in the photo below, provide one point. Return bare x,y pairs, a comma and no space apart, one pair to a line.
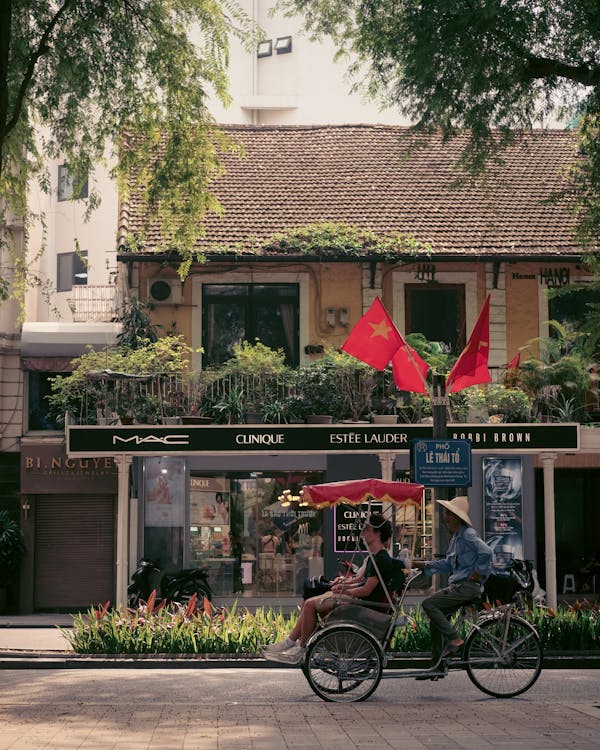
143,440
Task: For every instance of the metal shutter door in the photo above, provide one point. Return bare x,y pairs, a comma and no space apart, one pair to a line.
74,551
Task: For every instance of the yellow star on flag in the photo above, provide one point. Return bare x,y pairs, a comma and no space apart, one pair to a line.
380,329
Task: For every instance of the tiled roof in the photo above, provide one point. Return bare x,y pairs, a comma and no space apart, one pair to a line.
363,175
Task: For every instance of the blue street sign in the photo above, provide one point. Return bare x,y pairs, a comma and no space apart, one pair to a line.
442,463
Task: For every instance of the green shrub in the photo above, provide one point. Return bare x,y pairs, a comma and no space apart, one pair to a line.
149,630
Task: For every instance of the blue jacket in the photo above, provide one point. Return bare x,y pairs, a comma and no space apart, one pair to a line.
466,553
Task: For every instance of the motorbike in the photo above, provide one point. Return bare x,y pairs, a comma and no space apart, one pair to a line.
519,584
174,588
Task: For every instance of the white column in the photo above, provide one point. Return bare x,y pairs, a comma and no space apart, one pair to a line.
123,464
548,460
387,465
133,535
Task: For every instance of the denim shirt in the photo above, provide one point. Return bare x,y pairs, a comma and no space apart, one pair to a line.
466,553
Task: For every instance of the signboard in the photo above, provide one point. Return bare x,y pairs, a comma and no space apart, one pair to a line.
503,509
442,463
348,521
46,469
160,440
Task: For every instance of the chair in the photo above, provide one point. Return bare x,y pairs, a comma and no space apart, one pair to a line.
569,583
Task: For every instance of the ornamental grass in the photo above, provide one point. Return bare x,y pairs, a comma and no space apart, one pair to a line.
204,629
151,629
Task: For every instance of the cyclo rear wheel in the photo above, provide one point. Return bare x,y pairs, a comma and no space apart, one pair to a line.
504,656
344,664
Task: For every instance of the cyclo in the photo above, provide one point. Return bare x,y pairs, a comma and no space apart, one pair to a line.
347,654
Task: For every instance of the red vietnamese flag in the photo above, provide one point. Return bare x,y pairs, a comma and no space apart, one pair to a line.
471,368
375,338
514,362
409,369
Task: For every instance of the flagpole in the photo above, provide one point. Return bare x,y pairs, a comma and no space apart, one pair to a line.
439,411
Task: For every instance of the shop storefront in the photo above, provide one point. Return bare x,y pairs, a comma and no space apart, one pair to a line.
68,516
214,496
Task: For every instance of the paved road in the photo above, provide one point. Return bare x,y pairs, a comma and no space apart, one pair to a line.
246,709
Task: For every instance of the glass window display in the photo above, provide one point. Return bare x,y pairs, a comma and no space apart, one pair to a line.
250,541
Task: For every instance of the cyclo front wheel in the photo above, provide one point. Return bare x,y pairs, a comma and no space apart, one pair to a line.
344,664
504,656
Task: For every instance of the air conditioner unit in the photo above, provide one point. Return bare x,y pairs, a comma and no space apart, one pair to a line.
165,291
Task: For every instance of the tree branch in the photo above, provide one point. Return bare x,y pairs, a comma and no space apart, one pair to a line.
41,50
5,27
543,67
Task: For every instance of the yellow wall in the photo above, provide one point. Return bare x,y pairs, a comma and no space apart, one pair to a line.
522,307
339,285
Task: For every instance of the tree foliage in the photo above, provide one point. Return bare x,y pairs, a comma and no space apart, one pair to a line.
493,67
128,79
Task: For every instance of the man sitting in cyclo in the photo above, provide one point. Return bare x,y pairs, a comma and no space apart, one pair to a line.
376,533
468,563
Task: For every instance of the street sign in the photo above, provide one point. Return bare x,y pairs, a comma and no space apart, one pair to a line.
442,463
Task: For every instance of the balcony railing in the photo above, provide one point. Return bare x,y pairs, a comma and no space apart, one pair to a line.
93,303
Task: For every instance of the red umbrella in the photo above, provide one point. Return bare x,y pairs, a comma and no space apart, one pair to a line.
360,490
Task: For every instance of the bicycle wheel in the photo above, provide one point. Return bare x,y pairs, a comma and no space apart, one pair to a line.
503,659
344,664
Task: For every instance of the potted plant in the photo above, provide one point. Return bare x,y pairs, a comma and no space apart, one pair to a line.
559,379
335,386
253,378
119,380
12,552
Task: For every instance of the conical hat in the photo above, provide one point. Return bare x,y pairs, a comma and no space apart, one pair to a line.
459,506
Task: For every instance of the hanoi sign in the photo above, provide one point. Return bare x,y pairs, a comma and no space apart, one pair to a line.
442,463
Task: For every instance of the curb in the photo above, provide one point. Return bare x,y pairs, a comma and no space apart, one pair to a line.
25,659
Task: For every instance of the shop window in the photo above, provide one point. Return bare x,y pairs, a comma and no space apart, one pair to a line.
438,312
245,312
71,270
164,511
66,185
248,540
39,390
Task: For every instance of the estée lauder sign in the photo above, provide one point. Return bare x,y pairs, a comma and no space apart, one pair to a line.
47,469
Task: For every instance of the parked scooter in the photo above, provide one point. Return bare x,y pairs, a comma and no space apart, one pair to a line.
174,588
519,584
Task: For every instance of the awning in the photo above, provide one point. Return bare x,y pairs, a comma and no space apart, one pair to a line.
66,339
358,491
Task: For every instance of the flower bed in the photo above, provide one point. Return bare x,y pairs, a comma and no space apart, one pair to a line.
191,630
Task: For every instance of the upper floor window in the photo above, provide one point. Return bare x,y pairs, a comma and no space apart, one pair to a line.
71,270
38,392
438,312
245,312
66,185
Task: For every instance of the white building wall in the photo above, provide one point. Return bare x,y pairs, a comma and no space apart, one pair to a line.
65,226
303,87
11,376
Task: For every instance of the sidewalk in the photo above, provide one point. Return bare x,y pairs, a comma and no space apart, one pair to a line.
35,641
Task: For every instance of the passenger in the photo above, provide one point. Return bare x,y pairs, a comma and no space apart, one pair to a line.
468,563
376,534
